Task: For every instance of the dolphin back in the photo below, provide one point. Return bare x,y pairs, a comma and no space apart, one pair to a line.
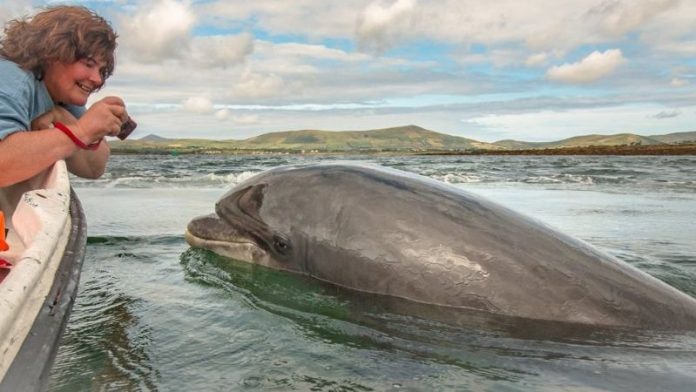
388,232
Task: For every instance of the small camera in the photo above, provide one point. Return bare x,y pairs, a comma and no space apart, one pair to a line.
127,128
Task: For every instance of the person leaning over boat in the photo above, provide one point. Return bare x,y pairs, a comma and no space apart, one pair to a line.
49,65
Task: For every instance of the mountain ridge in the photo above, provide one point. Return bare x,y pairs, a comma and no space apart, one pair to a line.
398,138
408,138
586,141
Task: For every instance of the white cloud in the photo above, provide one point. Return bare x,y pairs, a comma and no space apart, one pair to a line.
312,51
14,9
221,51
199,105
161,31
329,18
678,82
672,30
222,114
543,25
246,119
256,85
679,47
537,59
381,26
619,17
546,125
593,67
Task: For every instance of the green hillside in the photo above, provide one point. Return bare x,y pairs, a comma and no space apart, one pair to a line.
409,137
405,139
621,139
677,137
518,145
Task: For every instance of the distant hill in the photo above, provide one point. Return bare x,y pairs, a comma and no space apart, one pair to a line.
518,145
153,138
674,138
583,141
408,137
405,139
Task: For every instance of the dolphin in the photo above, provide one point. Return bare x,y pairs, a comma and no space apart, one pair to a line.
383,231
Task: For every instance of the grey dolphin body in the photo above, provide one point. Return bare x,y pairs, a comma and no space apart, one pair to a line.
388,232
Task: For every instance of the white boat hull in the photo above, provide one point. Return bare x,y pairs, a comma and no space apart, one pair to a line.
47,237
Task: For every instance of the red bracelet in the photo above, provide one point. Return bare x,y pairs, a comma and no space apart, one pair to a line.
74,138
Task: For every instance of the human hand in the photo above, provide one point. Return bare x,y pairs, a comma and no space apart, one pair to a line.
103,118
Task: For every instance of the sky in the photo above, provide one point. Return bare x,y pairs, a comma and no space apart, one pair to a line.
534,70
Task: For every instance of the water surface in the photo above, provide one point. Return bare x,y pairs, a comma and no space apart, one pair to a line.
153,314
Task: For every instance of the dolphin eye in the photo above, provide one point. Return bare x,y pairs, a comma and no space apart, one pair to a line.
281,244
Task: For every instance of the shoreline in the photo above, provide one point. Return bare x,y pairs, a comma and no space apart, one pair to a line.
661,149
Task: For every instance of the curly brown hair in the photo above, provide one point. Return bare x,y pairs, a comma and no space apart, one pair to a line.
62,33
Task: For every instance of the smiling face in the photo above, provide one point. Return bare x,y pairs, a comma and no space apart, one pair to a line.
73,82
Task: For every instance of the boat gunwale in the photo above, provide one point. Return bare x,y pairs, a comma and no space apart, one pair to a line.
31,367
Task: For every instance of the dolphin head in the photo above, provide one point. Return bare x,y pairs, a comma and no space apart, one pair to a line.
238,230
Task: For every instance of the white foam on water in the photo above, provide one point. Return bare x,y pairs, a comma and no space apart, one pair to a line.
457,178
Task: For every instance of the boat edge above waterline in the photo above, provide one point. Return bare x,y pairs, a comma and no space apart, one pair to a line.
47,239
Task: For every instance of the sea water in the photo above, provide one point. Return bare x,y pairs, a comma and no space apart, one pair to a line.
154,315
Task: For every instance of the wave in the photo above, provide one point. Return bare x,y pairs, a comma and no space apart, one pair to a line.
214,180
644,173
458,178
135,240
196,180
558,179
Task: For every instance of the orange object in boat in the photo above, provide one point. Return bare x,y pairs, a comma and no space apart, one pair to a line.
3,244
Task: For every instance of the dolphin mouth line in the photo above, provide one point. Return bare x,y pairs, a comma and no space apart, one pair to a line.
188,235
247,251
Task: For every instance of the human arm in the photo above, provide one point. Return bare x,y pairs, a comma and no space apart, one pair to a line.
82,163
24,154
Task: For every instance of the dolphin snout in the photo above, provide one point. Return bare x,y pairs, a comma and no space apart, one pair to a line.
211,227
213,233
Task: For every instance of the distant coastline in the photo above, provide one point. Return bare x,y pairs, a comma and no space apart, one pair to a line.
408,140
682,149
670,149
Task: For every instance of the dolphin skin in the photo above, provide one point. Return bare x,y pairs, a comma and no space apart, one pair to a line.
387,232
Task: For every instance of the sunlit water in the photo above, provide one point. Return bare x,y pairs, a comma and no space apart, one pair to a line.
153,314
